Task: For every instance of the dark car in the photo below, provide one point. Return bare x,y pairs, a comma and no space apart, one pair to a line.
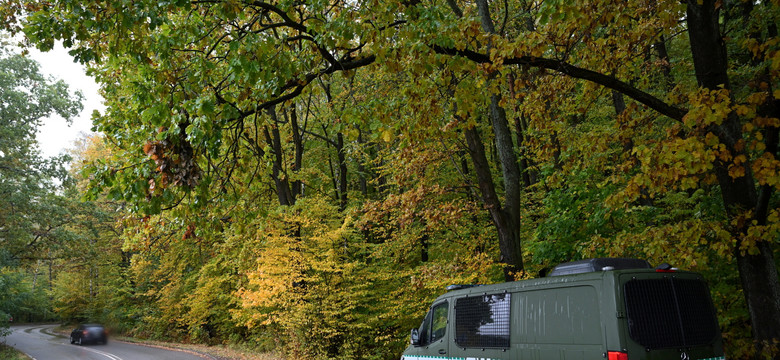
89,333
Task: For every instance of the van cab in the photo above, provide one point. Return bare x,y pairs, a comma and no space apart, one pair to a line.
606,308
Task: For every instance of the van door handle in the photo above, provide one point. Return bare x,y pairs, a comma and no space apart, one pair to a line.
442,351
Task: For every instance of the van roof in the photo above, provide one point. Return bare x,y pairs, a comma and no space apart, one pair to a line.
598,264
531,284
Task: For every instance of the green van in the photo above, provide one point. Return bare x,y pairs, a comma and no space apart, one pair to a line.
606,308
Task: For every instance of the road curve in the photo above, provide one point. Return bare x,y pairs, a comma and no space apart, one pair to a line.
41,343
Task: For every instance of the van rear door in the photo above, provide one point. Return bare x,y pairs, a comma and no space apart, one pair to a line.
668,315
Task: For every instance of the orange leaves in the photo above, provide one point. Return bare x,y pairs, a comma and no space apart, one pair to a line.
420,204
737,168
671,164
764,51
685,244
308,287
175,163
155,150
708,107
302,249
190,232
754,233
766,170
426,206
687,157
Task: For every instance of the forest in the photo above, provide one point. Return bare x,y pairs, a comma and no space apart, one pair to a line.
305,176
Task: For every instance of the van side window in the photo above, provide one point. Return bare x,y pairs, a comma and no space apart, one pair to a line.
439,327
482,321
434,327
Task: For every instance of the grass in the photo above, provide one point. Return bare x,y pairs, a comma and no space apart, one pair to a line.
9,353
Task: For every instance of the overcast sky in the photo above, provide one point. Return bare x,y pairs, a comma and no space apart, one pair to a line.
56,136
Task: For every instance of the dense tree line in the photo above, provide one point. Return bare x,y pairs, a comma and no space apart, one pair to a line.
34,218
306,175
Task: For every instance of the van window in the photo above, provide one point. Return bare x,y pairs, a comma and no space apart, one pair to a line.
482,321
665,313
434,326
439,326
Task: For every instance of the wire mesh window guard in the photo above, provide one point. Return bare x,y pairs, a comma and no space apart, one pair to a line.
666,313
482,321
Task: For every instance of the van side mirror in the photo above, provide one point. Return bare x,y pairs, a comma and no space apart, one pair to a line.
415,337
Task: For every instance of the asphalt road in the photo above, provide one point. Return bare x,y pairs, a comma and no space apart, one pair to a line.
41,343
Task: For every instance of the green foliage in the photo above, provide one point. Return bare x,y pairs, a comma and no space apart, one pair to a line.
21,299
9,353
33,216
299,175
30,210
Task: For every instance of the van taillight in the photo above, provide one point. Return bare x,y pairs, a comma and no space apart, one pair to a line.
617,355
665,268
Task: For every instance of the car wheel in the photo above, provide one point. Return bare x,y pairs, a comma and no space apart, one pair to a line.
80,342
71,339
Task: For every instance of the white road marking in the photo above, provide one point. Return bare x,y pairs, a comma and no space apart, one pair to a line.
108,355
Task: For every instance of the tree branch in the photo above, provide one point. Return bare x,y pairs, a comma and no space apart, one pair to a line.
578,73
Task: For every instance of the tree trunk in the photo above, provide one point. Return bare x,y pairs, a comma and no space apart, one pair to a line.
424,247
511,250
342,171
757,272
361,168
528,175
273,138
618,102
508,237
35,274
507,222
297,185
666,68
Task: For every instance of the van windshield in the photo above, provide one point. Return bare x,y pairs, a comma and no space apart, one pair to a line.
669,312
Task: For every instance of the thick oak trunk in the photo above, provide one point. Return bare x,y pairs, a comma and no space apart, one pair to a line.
505,218
511,246
758,272
508,236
